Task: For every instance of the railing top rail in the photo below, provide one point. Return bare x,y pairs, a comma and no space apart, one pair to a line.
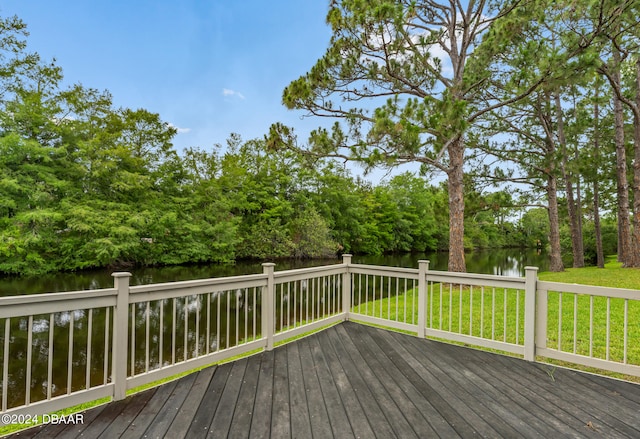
334,268
26,299
384,270
19,306
229,282
476,279
592,290
442,276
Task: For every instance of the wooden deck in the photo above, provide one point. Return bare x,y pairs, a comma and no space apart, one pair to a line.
357,381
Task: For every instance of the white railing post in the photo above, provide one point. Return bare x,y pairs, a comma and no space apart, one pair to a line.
531,278
120,335
541,319
346,287
268,305
423,267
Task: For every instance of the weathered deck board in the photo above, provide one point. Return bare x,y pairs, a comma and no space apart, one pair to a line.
171,406
348,399
206,406
300,422
318,415
456,411
338,420
280,415
243,414
148,413
580,400
261,420
390,410
545,418
357,381
495,408
369,405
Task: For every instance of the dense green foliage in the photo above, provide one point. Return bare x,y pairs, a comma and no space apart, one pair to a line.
108,206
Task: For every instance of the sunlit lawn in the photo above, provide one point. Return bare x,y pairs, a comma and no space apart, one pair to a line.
475,311
613,275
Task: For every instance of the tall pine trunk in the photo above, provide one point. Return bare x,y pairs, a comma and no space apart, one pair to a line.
456,206
545,117
577,246
624,228
555,263
596,224
634,260
596,188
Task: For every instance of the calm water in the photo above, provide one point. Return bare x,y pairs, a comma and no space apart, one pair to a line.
507,262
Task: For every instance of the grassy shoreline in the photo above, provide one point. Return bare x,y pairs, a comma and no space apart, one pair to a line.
612,275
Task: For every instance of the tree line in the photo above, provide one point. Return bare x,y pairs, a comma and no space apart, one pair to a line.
84,184
541,95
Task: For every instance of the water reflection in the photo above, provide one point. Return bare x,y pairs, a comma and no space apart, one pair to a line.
505,262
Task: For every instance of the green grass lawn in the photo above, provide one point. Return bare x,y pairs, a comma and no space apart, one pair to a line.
473,311
612,275
615,276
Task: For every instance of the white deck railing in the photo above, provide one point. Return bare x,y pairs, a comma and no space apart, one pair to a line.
63,349
482,310
592,326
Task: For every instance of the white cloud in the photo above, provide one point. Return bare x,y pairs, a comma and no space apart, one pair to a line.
179,129
439,58
437,35
229,92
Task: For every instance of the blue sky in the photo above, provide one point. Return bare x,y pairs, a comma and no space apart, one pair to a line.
209,68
